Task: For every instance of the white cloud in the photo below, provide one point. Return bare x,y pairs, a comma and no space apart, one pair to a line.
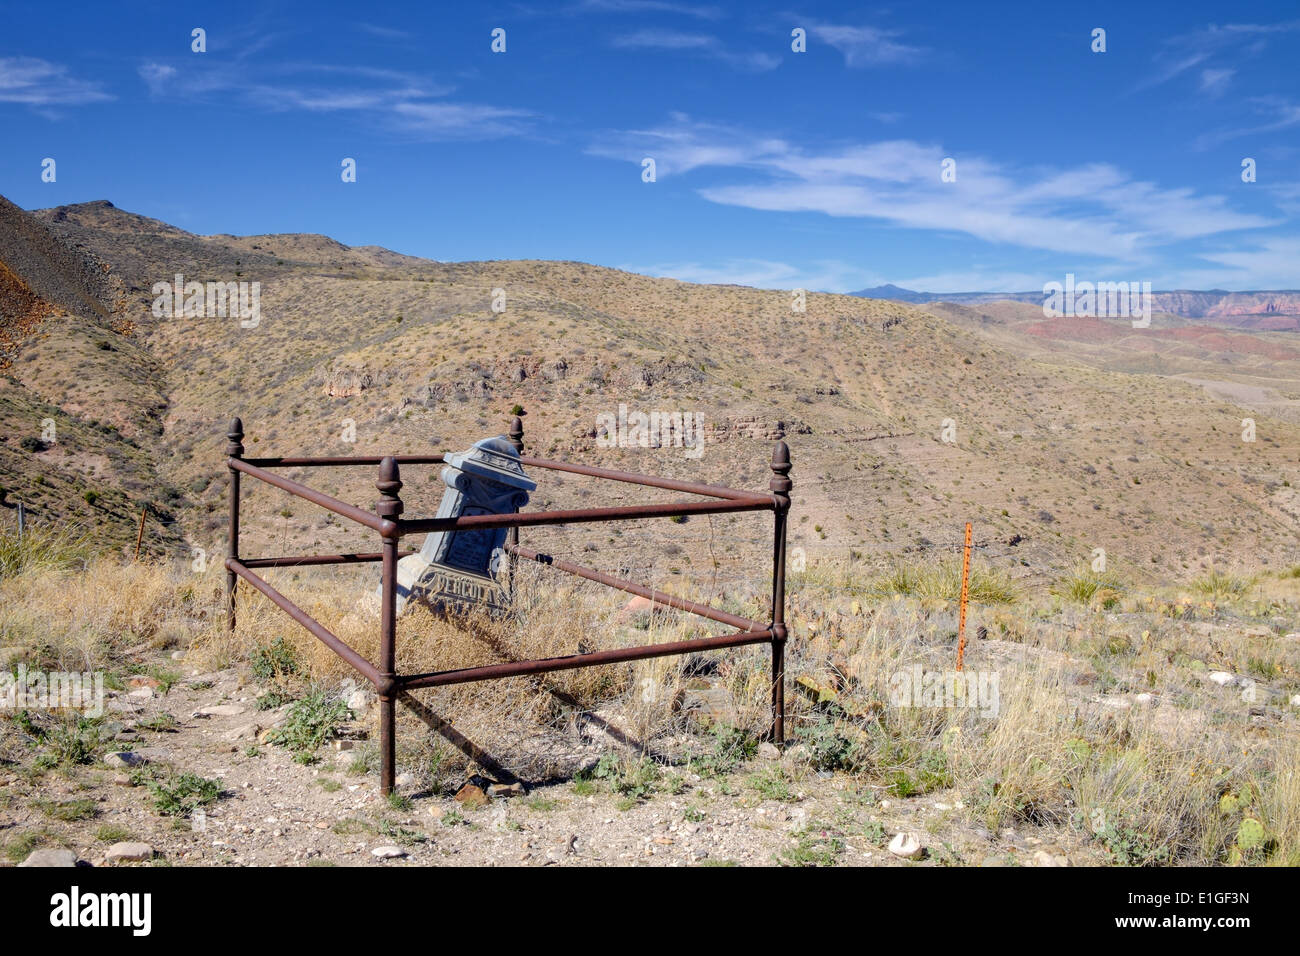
1088,210
40,83
1215,82
866,46
676,41
403,101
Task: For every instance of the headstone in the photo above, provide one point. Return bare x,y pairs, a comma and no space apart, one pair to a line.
456,570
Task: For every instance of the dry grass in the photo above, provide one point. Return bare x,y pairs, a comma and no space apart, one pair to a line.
1171,784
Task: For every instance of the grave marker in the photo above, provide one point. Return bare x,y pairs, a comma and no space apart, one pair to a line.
456,570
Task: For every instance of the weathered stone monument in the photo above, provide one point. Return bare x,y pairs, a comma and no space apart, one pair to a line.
456,570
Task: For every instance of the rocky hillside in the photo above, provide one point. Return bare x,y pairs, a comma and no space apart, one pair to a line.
1050,459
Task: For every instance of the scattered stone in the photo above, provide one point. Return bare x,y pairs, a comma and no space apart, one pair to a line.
178,655
124,760
1043,858
906,845
506,790
798,754
1145,699
342,744
359,701
45,858
245,732
437,812
220,710
122,780
388,852
472,795
1223,678
767,751
565,848
142,693
129,853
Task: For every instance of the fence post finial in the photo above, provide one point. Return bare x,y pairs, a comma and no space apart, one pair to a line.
781,483
235,435
517,434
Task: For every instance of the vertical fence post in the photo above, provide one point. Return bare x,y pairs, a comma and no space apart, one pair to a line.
22,520
780,485
965,595
389,506
516,439
234,449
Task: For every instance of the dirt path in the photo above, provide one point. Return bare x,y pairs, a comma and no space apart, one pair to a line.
273,811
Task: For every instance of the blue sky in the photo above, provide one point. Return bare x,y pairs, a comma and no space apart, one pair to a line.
819,170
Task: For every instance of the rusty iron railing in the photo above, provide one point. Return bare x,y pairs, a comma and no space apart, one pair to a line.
387,520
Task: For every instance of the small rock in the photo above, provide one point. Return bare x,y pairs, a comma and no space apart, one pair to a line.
245,732
220,710
405,780
343,744
359,701
472,795
506,790
142,693
1145,699
906,845
1223,678
45,858
798,754
122,780
437,812
1043,858
129,853
388,852
767,751
1295,701
178,655
124,760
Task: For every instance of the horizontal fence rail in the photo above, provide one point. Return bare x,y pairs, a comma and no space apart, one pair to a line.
387,521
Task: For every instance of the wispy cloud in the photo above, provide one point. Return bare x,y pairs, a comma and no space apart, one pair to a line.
1215,82
1086,210
40,83
1187,51
405,102
866,46
702,12
706,44
1275,114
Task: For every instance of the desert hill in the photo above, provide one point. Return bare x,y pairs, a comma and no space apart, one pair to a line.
1055,453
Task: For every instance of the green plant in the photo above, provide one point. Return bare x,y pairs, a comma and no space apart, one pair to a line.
829,747
68,811
310,722
74,741
730,747
181,795
277,659
42,548
818,844
112,833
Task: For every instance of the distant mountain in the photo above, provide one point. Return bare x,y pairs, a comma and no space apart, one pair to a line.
1270,311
